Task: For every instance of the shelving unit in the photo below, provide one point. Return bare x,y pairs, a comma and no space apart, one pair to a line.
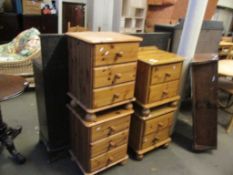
129,16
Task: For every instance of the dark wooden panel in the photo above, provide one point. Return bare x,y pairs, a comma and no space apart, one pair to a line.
204,92
49,23
44,23
73,13
9,26
158,39
51,86
32,21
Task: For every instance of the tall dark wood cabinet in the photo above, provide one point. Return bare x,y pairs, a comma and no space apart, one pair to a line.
51,78
10,26
73,13
44,23
204,101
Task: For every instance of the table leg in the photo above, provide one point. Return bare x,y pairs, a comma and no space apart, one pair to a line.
7,134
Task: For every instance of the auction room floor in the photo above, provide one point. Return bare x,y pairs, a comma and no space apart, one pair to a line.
177,159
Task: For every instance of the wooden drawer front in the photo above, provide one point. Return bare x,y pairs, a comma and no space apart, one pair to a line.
166,73
109,128
111,95
106,54
162,91
158,123
108,158
109,143
111,75
154,138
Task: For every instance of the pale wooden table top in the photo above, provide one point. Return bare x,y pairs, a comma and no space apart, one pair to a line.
225,44
225,68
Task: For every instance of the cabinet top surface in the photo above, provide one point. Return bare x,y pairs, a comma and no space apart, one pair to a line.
153,56
204,58
103,37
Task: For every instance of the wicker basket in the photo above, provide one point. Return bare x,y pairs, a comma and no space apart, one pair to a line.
21,67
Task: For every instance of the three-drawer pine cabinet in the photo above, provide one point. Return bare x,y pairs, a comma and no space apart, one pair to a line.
102,70
98,145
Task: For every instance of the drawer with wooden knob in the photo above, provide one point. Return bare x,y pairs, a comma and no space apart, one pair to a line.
109,128
158,123
110,95
156,137
114,53
108,144
114,74
163,91
108,158
165,73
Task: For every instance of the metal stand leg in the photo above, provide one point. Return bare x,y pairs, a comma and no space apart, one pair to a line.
7,135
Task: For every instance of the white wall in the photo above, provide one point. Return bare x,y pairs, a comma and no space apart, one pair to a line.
100,14
224,15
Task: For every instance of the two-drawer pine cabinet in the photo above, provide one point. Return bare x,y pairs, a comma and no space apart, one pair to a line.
102,70
157,94
148,133
158,78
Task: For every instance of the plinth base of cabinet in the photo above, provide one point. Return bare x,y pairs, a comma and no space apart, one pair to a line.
160,102
91,113
139,154
144,110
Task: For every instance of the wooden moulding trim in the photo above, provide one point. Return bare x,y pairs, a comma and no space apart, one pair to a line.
93,123
91,111
143,151
157,103
97,171
157,114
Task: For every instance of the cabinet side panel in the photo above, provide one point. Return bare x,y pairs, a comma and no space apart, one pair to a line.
142,82
81,78
136,131
80,142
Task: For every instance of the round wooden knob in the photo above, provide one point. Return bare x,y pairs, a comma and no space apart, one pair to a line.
110,159
112,144
165,93
115,96
118,75
112,129
160,124
119,54
156,139
167,74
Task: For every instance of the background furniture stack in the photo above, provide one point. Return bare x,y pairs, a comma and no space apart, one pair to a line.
129,16
102,71
157,88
